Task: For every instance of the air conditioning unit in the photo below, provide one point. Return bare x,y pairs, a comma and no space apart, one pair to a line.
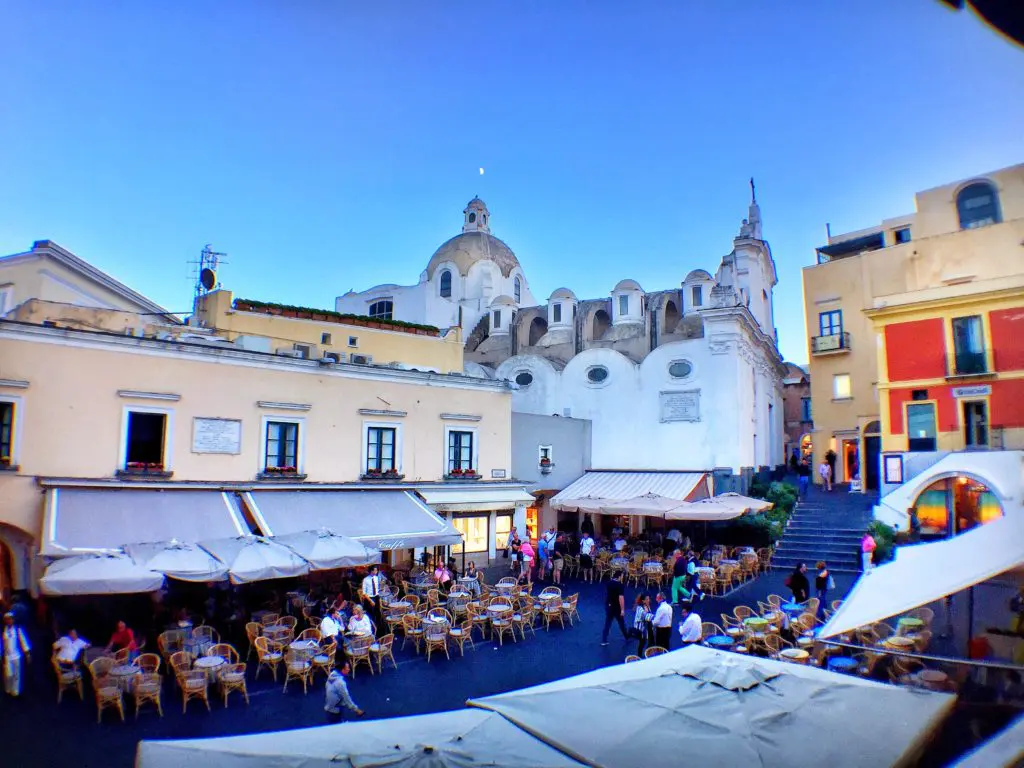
360,359
289,352
331,358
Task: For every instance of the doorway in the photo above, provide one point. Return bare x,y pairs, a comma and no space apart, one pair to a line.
851,461
872,449
975,414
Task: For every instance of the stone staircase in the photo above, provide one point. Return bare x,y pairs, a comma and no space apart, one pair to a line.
826,526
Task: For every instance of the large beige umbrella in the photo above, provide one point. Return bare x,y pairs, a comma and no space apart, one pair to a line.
591,505
707,510
648,505
746,503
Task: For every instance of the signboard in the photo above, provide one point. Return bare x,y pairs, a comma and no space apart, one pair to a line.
497,474
893,470
216,435
828,343
979,390
680,406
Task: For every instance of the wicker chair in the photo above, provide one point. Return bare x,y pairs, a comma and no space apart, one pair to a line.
775,601
268,654
311,634
435,633
358,651
412,629
743,612
101,667
170,642
570,609
123,657
108,695
552,612
631,658
67,677
478,618
324,659
147,689
232,678
292,622
525,616
710,629
270,619
501,624
149,663
297,666
654,650
194,685
205,636
383,648
226,651
463,634
440,614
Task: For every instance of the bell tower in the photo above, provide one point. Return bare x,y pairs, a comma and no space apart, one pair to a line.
477,216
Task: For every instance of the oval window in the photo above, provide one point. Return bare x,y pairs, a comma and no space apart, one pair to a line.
680,369
524,379
597,374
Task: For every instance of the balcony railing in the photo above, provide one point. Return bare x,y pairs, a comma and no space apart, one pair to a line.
824,345
974,363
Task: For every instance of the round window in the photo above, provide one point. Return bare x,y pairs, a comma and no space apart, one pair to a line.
680,369
524,379
597,374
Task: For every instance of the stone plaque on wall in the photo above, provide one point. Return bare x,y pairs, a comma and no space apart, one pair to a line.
680,405
216,435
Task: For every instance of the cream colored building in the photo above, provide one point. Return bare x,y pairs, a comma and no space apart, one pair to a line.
964,239
93,412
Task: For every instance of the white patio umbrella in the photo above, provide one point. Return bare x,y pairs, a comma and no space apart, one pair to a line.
647,505
325,550
746,503
185,562
114,574
707,510
255,558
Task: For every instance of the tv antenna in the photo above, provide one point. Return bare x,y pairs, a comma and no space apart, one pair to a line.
204,272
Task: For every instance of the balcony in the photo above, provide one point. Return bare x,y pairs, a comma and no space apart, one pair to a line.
830,345
966,364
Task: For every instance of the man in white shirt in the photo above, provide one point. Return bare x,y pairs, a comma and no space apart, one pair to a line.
371,589
619,544
69,647
690,630
587,557
674,535
14,648
662,622
360,623
331,625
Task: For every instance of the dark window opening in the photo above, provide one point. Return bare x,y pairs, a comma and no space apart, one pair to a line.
460,451
6,431
382,310
978,205
446,284
901,235
696,296
556,313
968,345
282,446
145,440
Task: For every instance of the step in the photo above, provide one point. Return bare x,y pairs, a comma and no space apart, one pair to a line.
823,530
824,536
788,564
844,553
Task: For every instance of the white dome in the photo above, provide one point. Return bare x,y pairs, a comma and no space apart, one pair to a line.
503,301
628,285
562,293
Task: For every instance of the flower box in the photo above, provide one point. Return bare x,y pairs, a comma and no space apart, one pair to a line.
463,474
375,475
280,473
147,469
6,465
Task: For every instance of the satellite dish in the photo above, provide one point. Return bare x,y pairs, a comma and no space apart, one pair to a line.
208,278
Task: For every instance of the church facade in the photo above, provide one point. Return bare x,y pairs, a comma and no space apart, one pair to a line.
685,378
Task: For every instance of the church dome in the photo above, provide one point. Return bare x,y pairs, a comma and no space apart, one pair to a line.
503,301
476,243
627,285
562,294
698,274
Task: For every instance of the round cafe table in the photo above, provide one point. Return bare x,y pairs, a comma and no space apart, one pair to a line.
793,609
123,675
842,664
723,561
909,624
797,655
897,643
496,609
305,645
210,665
756,624
934,679
721,642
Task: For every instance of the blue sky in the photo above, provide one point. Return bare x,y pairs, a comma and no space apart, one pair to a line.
332,145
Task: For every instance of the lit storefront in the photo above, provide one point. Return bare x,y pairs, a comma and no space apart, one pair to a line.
953,505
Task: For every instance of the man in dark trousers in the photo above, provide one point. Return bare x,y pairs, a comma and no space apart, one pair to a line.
614,607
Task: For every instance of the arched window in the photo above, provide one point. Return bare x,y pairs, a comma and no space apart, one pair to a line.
671,317
538,328
971,502
978,205
472,217
517,288
382,309
601,325
446,284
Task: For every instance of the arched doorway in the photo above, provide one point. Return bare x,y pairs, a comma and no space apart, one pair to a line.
671,317
16,548
806,448
953,505
538,328
600,326
872,449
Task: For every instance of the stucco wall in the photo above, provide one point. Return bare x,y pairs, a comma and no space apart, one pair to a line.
36,276
570,442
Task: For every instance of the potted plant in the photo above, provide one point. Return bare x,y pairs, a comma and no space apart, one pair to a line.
5,461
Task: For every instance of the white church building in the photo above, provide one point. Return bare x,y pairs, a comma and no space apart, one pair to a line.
680,379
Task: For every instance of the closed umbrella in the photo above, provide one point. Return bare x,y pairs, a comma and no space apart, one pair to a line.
325,550
114,574
185,562
255,558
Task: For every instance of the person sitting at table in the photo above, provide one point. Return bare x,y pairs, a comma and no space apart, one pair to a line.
690,630
798,584
68,648
122,638
453,567
360,623
443,577
332,624
472,573
618,543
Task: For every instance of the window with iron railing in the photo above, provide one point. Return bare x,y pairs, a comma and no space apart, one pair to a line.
968,346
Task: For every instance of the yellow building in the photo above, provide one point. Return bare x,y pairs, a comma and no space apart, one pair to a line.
109,438
962,244
314,334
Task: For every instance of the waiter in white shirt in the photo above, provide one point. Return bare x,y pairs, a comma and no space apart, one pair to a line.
662,622
371,590
15,649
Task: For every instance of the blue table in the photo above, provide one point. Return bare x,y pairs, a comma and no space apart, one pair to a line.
720,641
842,664
796,608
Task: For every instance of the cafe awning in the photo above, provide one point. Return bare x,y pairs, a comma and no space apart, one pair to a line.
924,573
380,519
474,499
89,520
601,488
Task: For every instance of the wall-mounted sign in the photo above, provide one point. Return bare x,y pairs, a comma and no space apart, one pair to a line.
497,474
216,435
893,469
979,390
680,405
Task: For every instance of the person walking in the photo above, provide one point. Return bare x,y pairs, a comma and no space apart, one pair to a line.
587,557
16,651
679,568
527,553
822,584
641,628
825,470
804,474
336,695
662,622
557,560
798,583
867,551
614,607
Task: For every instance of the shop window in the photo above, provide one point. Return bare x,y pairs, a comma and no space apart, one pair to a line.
971,502
921,428
144,441
474,534
502,530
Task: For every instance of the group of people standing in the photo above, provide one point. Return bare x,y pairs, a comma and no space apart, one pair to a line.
529,565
